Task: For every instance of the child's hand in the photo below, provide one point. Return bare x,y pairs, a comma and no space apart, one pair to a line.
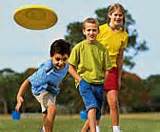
20,100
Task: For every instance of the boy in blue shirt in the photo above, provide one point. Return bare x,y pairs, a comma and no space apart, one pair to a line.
45,82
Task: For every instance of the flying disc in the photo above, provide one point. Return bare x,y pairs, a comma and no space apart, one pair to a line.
35,17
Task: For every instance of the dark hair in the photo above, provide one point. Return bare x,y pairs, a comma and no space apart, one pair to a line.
60,46
90,20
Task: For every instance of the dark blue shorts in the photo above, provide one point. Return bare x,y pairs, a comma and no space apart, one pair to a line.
92,95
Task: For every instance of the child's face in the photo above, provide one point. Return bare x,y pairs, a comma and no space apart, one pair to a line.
90,31
59,60
116,18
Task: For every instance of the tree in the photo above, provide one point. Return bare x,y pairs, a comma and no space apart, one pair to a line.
135,44
153,86
134,95
9,83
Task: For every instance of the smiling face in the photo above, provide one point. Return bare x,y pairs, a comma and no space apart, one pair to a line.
116,19
90,30
59,60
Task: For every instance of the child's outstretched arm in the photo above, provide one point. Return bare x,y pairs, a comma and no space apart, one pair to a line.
73,72
20,94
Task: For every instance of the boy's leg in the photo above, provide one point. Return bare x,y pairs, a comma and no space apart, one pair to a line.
47,102
44,117
90,123
92,119
98,93
49,118
99,97
90,103
85,126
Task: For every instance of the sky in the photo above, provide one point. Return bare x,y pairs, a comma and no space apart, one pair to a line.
22,48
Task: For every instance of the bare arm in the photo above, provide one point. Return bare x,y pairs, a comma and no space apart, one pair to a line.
105,76
120,65
24,86
73,72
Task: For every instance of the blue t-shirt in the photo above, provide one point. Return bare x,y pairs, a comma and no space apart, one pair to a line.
47,78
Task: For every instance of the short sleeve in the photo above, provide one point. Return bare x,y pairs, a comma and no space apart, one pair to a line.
46,66
74,56
125,40
107,61
39,77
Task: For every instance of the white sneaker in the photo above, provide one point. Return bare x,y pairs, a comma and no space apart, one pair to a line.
42,129
97,129
116,129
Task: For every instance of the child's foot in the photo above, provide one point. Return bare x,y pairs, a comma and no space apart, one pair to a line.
42,129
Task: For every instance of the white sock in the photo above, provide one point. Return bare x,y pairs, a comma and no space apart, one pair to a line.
116,128
97,129
43,129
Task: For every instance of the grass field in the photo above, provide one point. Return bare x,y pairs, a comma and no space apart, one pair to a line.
147,122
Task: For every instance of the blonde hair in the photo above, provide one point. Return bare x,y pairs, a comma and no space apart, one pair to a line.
90,20
115,7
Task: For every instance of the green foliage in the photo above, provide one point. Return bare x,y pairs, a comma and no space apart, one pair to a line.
9,83
133,94
75,31
101,15
153,85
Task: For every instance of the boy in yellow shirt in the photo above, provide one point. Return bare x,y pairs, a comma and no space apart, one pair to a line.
89,63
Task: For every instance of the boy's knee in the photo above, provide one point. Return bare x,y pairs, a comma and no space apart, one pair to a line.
52,109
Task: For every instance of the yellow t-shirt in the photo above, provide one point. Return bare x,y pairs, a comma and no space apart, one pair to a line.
113,41
90,60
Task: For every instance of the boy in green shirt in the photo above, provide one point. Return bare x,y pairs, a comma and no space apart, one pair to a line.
89,63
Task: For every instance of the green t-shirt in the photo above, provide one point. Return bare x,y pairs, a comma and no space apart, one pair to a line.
90,60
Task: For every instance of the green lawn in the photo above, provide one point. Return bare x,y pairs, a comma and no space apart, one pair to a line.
149,122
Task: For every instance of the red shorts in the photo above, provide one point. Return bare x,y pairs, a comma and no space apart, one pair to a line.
111,82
